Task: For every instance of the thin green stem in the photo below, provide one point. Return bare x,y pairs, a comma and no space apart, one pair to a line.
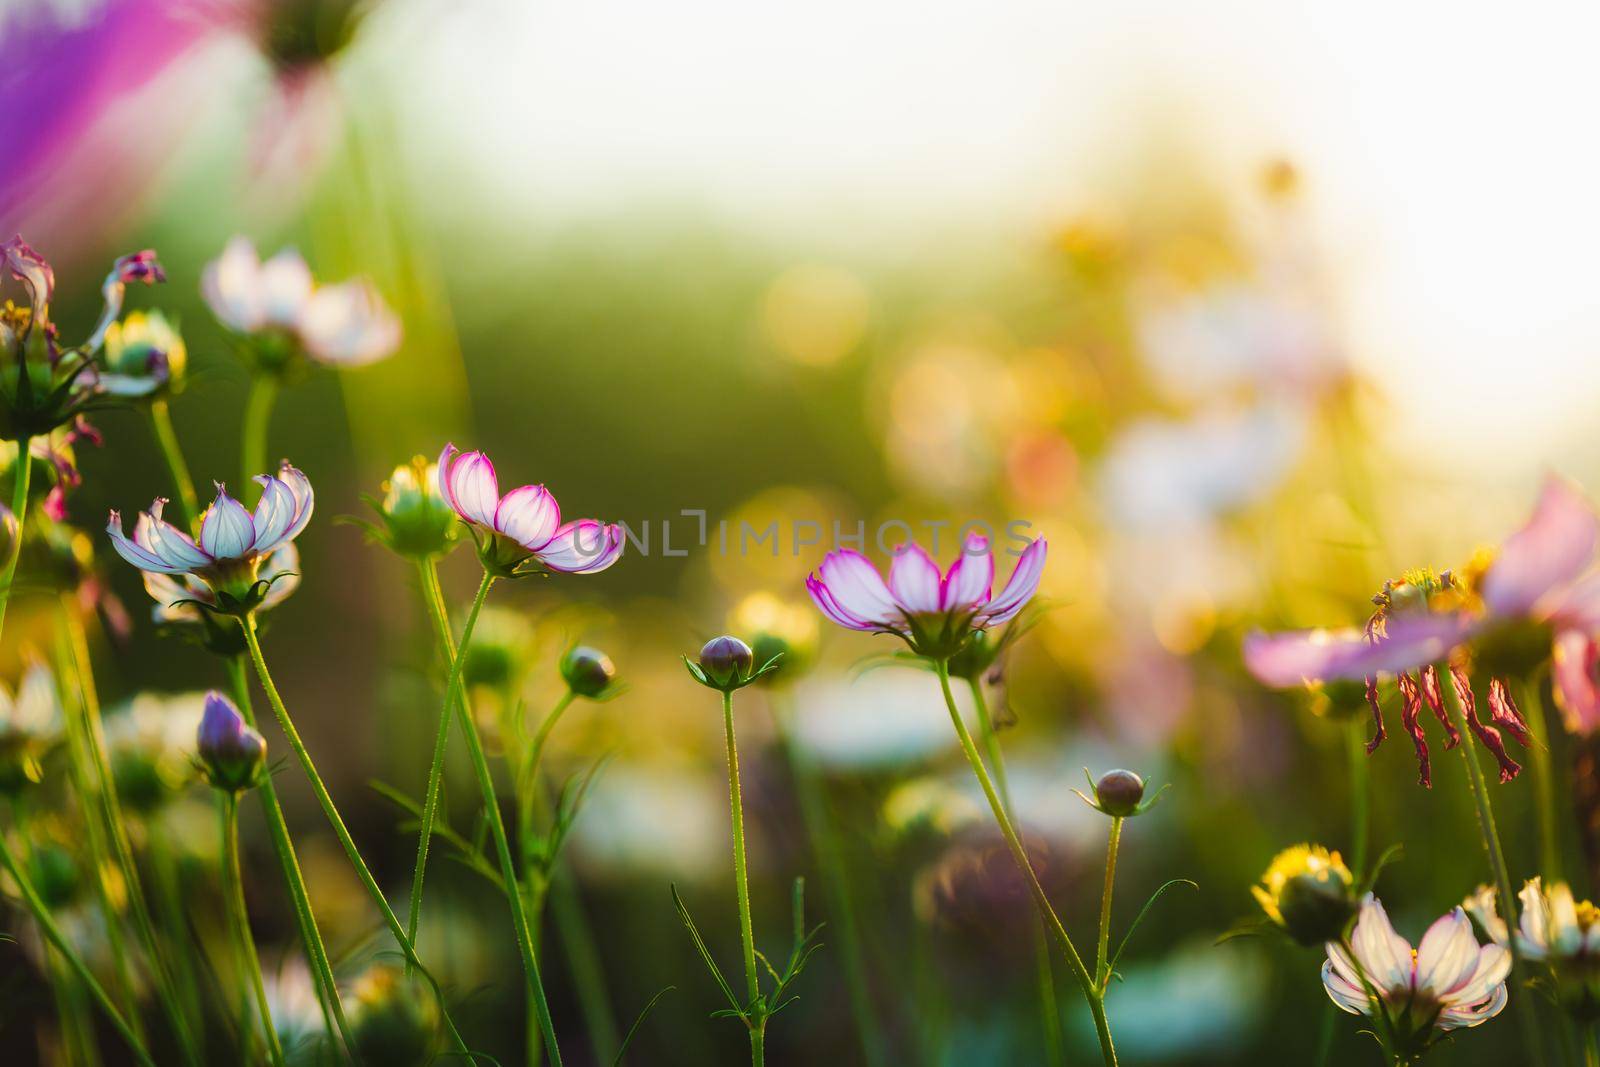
829,852
305,919
167,439
1360,795
1543,781
23,471
111,812
583,961
239,922
1040,898
1049,1004
1102,967
253,444
454,697
741,885
428,575
1527,1017
1591,1049
530,767
325,801
41,915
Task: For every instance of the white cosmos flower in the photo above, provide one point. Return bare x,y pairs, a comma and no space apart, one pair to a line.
1448,982
1555,929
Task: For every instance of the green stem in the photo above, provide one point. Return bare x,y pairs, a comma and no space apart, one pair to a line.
454,697
583,960
741,877
111,812
253,445
1543,782
1360,796
325,801
1527,1017
1049,1004
825,844
1041,899
1102,967
23,471
432,596
530,767
52,933
239,922
1591,1049
167,438
333,1016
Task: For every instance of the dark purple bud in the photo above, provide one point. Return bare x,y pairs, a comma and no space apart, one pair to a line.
588,671
139,267
1119,792
726,660
233,754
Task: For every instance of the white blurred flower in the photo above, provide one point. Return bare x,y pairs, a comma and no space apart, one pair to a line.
881,720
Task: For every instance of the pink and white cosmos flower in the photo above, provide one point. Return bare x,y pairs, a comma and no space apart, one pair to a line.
343,325
935,613
234,543
1448,983
521,532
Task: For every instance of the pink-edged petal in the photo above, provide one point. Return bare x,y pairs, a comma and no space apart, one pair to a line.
856,588
1019,589
30,268
970,578
529,516
1578,605
914,580
1349,997
273,514
172,545
583,547
1459,1018
474,489
299,487
823,598
1299,657
1385,954
1491,965
137,555
1411,641
1447,956
226,532
1572,674
1556,545
446,459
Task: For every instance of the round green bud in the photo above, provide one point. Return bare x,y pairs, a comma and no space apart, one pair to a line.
1119,792
588,672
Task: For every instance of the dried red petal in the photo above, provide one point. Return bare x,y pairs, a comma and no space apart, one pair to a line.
1487,736
1504,711
1434,696
1377,715
1410,717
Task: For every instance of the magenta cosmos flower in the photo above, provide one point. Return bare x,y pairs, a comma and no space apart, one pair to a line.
234,544
343,325
933,612
521,532
1536,596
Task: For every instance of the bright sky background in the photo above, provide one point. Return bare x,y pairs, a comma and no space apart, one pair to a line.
1450,154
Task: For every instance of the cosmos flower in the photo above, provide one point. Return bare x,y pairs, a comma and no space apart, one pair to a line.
414,518
1537,596
285,314
934,613
521,532
1557,930
234,545
1309,892
1448,983
178,598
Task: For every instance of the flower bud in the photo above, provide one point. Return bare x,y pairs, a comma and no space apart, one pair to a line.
393,1019
417,520
588,671
1119,792
144,356
497,658
1309,892
232,753
726,661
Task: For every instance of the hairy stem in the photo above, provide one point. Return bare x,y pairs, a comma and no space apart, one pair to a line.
433,598
741,885
1102,967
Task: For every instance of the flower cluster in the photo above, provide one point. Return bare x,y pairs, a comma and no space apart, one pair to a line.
1556,930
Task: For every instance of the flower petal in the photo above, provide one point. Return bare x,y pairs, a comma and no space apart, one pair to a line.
273,513
1346,995
971,576
914,580
1492,965
1019,589
1447,956
1572,673
583,547
474,490
285,286
824,599
1384,954
226,532
1556,545
137,555
529,516
172,545
856,589
348,325
281,570
231,286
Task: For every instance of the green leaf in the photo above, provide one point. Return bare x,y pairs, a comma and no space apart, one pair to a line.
627,1038
705,953
1143,912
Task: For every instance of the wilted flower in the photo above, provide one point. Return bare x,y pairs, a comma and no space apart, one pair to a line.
233,545
232,754
521,532
417,520
30,724
588,672
393,1019
44,385
1447,983
1555,929
727,663
935,614
144,356
285,315
1309,892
